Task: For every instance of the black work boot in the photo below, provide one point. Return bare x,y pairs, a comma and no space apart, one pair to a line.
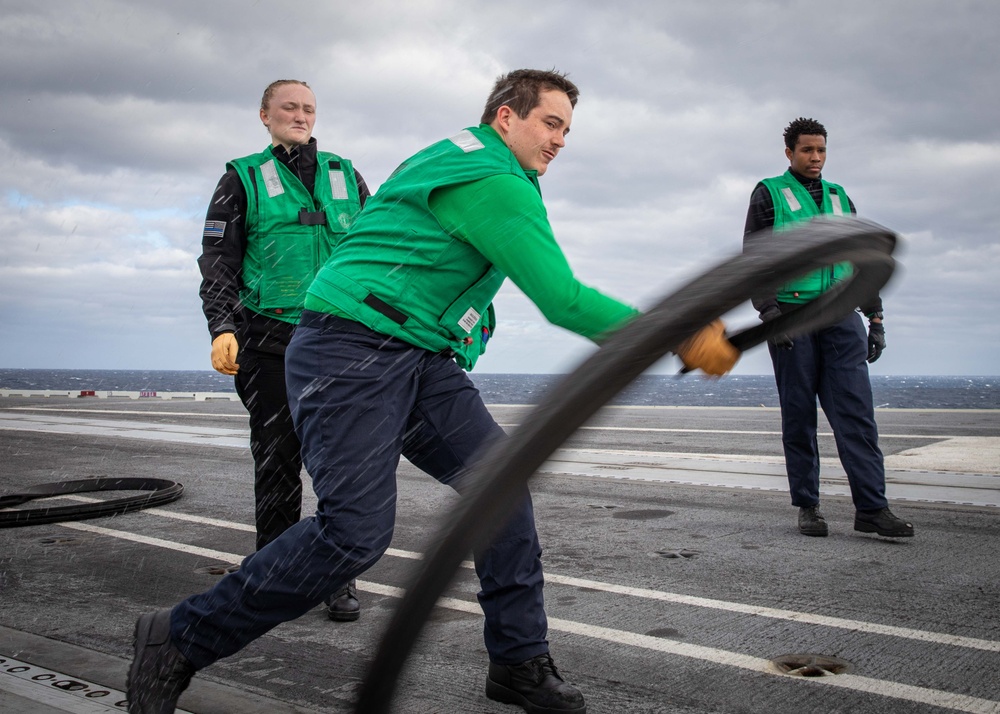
812,523
343,605
883,522
159,672
535,686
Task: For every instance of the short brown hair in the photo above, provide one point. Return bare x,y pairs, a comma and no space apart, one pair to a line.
521,88
265,101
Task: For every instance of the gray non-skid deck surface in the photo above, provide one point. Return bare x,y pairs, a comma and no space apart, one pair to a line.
674,570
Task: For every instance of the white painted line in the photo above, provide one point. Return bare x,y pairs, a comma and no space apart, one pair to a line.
629,591
135,412
776,614
203,520
511,425
757,610
742,608
222,555
751,432
982,453
895,690
949,454
768,474
176,433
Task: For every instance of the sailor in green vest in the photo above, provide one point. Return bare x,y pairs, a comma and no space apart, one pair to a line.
271,224
831,363
375,371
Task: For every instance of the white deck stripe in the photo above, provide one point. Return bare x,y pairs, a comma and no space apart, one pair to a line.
160,427
660,595
742,608
977,488
748,431
895,690
789,615
140,412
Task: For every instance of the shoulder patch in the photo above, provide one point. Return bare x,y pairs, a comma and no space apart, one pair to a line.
214,229
466,141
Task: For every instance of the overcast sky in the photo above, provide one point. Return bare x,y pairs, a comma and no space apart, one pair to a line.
118,118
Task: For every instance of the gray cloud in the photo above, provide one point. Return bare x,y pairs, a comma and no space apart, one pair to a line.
119,117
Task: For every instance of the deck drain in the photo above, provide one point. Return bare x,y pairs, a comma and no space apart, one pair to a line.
218,569
811,665
642,515
683,553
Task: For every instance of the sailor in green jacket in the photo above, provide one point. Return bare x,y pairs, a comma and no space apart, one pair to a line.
829,364
375,371
272,222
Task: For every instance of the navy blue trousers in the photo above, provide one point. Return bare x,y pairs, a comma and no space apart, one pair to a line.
830,364
277,465
359,400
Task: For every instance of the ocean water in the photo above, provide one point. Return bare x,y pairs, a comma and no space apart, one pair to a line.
908,392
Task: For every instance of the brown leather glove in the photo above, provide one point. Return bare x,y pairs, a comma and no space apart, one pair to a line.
224,351
709,350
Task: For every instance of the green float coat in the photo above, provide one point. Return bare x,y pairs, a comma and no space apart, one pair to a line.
792,204
286,247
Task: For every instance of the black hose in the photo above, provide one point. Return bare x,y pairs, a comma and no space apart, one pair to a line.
161,491
503,471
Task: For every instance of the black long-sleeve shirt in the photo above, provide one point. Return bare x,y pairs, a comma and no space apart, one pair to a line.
760,217
221,261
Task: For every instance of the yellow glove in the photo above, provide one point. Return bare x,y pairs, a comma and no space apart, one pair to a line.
709,350
224,349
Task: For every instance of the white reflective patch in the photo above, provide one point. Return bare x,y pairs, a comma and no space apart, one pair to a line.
338,185
793,203
465,141
469,320
270,175
838,210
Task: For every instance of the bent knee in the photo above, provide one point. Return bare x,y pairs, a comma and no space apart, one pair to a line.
360,541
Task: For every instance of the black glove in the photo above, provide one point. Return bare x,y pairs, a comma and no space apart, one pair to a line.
782,342
876,340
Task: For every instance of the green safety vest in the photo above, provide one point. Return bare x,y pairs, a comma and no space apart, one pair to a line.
400,273
291,233
792,204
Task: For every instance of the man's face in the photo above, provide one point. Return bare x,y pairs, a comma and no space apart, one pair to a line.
290,115
536,139
808,156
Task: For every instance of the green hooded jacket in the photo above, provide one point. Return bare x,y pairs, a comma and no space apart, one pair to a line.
401,272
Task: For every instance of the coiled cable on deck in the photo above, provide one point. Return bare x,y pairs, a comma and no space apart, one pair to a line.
508,465
159,492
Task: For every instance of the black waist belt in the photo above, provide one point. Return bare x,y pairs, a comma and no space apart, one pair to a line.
384,308
312,218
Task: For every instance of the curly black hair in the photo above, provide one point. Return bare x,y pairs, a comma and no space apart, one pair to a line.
800,126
